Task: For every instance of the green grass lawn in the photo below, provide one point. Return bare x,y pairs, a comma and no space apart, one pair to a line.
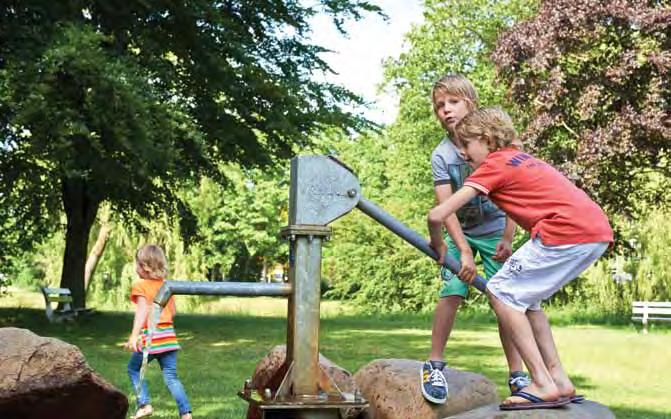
614,365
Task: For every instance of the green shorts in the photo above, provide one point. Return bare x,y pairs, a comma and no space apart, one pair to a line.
485,246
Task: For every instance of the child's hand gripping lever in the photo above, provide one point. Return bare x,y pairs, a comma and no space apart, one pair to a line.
412,237
455,267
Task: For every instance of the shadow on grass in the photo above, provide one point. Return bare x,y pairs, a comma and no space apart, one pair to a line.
581,382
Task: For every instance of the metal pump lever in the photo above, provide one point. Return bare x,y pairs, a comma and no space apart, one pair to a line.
403,231
412,237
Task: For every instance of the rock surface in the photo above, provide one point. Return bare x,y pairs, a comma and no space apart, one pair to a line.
585,410
48,378
269,364
392,387
265,376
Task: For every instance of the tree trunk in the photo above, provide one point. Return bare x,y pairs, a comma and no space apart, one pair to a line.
94,255
80,211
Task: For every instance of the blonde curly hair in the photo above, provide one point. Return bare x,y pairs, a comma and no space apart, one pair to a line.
151,259
491,125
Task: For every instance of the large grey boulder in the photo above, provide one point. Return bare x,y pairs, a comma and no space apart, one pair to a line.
585,410
48,378
267,374
392,387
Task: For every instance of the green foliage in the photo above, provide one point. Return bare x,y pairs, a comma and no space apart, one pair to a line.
236,224
126,102
639,269
242,218
240,224
86,114
365,261
590,78
455,37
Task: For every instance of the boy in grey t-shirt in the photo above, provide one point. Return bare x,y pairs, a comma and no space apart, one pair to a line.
479,217
478,228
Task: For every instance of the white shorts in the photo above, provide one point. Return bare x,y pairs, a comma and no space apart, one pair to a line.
536,271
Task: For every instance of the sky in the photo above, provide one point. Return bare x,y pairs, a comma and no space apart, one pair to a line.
357,58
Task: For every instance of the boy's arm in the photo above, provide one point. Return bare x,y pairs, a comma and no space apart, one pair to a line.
444,214
141,313
452,225
504,248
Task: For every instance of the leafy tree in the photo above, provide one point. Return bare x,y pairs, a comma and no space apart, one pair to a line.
593,78
127,101
455,37
240,223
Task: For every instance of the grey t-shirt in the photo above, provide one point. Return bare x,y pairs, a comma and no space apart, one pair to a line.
479,217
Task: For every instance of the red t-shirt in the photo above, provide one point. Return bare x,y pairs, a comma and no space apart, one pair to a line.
540,199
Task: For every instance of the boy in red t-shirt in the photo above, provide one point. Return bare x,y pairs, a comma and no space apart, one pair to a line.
568,233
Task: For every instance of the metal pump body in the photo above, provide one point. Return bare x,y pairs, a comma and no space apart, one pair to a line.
322,190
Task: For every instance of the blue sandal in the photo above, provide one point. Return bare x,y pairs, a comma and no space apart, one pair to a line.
577,398
519,380
534,402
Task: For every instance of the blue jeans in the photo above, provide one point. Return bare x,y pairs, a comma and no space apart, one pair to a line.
168,364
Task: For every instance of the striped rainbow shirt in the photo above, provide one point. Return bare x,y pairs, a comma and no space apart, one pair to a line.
164,339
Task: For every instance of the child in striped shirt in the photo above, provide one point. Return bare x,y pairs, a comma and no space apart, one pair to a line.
152,268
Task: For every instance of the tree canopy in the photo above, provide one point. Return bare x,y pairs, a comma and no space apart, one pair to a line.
126,101
583,46
593,81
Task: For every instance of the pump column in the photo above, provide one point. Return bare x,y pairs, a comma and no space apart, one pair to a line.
305,255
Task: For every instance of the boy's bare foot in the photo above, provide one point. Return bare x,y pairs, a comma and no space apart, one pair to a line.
565,388
547,393
143,412
563,383
187,416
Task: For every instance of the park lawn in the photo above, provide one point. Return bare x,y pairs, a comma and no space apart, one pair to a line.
614,365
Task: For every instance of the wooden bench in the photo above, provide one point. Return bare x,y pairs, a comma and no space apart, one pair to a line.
645,311
57,296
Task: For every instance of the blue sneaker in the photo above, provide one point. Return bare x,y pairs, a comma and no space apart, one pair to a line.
518,380
433,382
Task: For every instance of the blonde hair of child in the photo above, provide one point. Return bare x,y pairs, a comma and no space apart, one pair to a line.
455,85
491,125
151,259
